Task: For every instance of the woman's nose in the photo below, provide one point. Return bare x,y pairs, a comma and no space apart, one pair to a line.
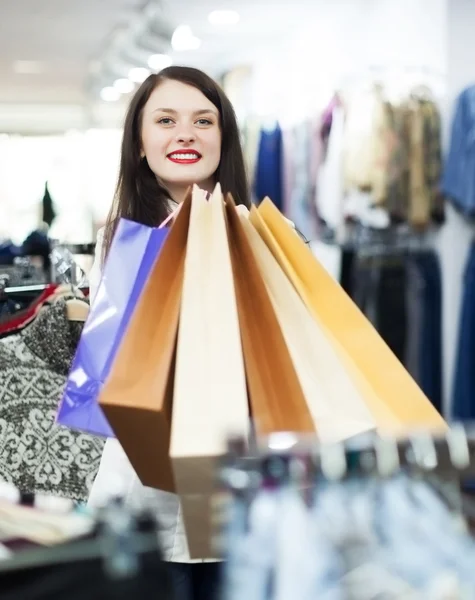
185,138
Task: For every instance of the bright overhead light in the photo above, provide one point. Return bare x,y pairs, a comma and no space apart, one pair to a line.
223,17
28,67
183,39
110,94
138,74
157,62
123,86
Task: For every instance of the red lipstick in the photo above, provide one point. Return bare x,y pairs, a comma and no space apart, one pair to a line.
184,157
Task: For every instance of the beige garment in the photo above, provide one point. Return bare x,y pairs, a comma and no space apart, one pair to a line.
419,194
366,144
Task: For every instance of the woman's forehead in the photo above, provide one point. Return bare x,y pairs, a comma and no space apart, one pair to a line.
178,97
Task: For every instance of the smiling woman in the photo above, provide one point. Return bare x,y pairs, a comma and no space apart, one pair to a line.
180,129
182,145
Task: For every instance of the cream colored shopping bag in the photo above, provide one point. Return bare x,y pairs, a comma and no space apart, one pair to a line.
275,392
210,397
396,402
336,404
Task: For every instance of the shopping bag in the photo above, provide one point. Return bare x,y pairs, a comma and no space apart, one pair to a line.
276,397
393,397
137,396
210,397
133,252
337,407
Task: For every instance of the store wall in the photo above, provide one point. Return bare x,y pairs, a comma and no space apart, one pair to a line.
351,39
81,169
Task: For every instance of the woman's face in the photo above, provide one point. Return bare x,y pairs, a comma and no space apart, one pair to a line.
181,137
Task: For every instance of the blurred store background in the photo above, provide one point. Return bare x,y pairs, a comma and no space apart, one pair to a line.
68,70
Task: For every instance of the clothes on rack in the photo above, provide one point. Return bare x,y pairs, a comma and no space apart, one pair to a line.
268,176
302,158
463,401
8,252
286,171
36,454
337,531
401,294
458,181
392,150
38,244
116,555
35,244
25,271
20,309
366,158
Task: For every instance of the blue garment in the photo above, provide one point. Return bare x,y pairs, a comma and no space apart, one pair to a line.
268,176
463,405
458,180
195,581
302,209
430,342
8,253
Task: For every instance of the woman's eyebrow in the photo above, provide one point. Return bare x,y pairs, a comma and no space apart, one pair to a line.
201,111
205,111
166,110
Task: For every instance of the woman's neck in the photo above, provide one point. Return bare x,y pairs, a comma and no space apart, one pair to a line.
178,192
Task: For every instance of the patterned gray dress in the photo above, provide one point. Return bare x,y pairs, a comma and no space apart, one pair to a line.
36,454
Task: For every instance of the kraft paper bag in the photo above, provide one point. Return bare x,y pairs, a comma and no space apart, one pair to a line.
394,399
133,252
276,396
137,397
210,397
336,405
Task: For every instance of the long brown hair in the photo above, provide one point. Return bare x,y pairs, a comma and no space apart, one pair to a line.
139,196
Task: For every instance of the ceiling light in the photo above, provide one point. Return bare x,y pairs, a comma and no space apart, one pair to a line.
223,17
28,67
183,39
138,74
123,86
110,94
157,62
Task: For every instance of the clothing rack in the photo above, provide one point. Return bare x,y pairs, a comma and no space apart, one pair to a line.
120,558
88,249
118,540
34,289
367,518
442,454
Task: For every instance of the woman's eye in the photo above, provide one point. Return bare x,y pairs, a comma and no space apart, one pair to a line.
204,122
165,121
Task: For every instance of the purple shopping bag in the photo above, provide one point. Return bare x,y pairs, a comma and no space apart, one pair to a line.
133,252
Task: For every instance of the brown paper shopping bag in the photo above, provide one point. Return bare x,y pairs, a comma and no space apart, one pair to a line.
277,400
210,396
336,405
137,397
393,397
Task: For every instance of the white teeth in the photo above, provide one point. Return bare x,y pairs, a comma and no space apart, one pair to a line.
184,156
